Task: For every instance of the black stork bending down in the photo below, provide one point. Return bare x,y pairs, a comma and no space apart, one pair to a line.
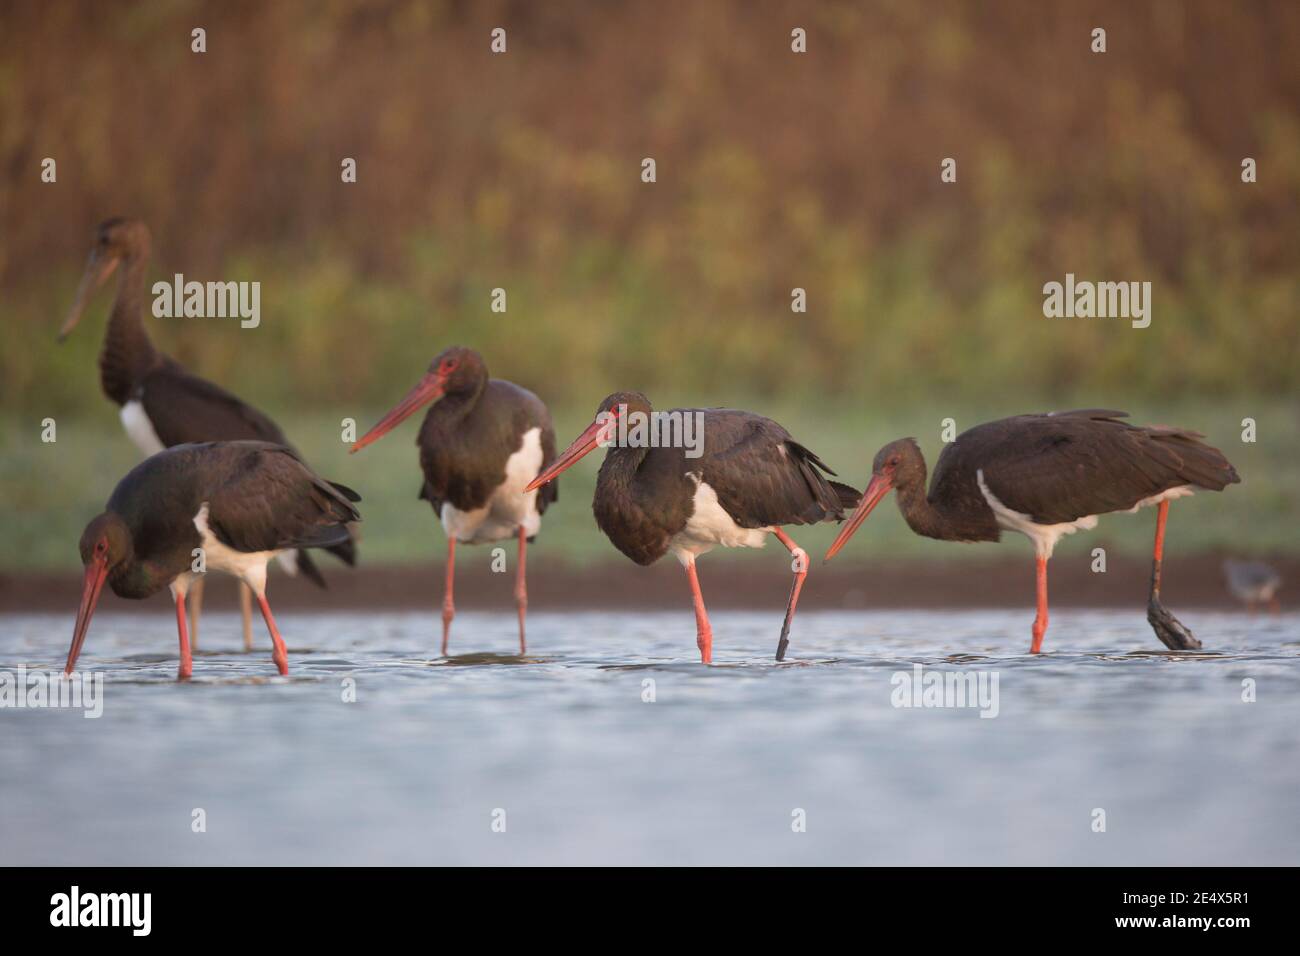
481,443
161,403
242,502
1047,476
748,480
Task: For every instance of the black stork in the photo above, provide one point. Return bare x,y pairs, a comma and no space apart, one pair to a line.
742,482
161,404
481,443
1253,583
1046,476
241,502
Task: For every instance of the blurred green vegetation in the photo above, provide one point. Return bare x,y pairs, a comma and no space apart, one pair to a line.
775,171
52,490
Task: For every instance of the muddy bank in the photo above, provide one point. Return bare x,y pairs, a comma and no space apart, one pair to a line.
1192,581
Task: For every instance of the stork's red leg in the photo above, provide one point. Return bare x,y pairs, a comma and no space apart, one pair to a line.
703,632
278,654
800,567
1158,552
1168,628
521,589
187,661
246,614
448,603
1040,619
194,601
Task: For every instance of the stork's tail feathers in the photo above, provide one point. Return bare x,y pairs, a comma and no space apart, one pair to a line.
1197,464
308,568
850,498
346,492
831,497
345,552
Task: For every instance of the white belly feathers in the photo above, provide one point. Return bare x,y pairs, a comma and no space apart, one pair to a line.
139,429
509,508
710,526
249,567
1045,536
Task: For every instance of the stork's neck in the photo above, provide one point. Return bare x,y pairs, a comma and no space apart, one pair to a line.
923,516
618,471
128,354
464,400
138,579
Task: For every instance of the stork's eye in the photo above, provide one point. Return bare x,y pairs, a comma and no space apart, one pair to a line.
894,461
448,365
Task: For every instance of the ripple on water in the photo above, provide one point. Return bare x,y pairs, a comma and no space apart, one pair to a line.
609,743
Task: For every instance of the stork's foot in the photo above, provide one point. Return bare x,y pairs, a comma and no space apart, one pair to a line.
1169,629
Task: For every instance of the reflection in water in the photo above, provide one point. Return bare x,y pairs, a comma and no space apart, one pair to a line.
610,744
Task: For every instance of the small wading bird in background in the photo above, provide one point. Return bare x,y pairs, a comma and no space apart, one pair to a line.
161,403
1253,583
242,502
750,478
1047,476
481,443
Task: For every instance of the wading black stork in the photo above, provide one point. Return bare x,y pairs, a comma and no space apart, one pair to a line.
748,479
241,502
1047,476
481,443
1253,583
161,403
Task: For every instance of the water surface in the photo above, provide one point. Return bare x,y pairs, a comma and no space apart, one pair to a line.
712,771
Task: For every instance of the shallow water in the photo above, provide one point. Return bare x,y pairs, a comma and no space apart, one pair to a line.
713,770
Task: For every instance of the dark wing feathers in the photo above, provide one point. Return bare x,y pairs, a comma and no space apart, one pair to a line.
185,408
762,476
850,497
307,567
345,491
261,497
549,493
464,447
1061,467
1095,413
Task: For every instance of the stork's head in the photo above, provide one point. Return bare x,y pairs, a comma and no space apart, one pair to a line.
115,239
455,371
600,432
899,464
106,545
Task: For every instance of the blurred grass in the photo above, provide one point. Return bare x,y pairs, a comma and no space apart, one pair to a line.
52,490
775,171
